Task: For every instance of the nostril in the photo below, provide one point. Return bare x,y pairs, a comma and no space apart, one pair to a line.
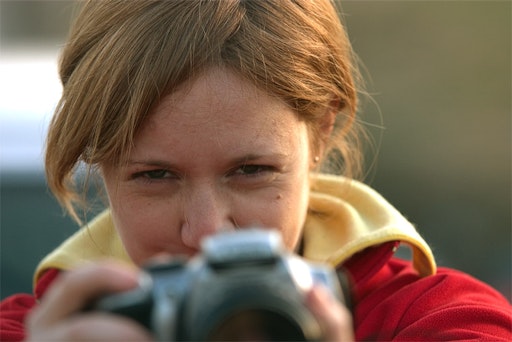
193,231
235,224
187,235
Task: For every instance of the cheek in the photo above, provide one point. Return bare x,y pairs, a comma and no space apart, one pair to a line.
145,227
285,211
295,211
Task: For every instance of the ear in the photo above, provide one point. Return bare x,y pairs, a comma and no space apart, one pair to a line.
326,125
328,119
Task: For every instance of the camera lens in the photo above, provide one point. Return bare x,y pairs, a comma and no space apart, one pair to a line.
257,325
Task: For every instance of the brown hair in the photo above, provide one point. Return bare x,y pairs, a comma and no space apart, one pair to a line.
123,56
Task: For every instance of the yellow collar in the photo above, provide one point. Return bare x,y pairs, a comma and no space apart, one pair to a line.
347,216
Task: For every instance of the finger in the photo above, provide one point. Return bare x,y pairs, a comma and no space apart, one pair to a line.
75,289
334,317
94,327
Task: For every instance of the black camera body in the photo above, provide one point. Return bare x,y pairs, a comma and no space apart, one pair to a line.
243,286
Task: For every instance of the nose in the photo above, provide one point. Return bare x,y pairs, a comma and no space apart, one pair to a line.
206,211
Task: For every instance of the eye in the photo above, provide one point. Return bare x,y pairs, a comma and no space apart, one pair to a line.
154,174
253,170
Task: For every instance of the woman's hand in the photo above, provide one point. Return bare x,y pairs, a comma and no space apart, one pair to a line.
334,317
60,315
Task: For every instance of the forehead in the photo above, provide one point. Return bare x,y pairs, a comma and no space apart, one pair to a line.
220,110
221,99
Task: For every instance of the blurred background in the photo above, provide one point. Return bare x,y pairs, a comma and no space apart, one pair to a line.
439,115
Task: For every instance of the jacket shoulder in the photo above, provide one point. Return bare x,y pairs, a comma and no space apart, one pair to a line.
13,311
449,305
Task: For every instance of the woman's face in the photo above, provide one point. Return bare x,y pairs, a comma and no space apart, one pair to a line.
218,154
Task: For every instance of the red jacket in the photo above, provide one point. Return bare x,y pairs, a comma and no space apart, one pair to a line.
390,302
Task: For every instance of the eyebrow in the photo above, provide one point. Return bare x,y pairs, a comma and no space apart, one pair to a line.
149,162
239,160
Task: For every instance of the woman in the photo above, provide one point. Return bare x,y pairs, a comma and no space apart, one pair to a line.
201,116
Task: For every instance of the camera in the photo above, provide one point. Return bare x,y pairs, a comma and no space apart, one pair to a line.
243,285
